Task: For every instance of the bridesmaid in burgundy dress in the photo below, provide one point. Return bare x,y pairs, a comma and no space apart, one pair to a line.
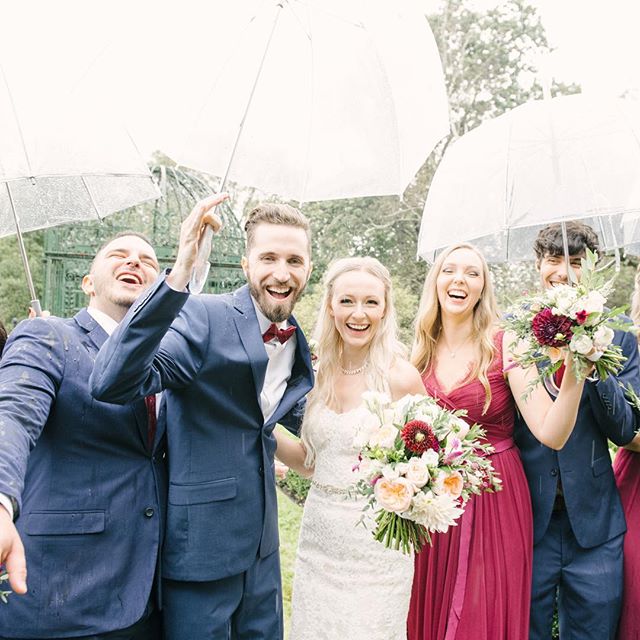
626,468
474,583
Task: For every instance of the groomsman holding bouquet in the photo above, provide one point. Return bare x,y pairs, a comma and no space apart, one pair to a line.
579,524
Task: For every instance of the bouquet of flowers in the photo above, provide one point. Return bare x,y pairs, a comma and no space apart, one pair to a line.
569,317
418,466
4,577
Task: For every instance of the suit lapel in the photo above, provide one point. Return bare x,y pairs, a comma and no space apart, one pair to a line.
249,331
98,336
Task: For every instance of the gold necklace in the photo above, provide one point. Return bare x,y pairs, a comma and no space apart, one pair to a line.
452,352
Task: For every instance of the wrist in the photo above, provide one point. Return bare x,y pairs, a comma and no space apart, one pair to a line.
179,277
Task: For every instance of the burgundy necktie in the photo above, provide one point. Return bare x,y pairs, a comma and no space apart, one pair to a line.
282,335
152,420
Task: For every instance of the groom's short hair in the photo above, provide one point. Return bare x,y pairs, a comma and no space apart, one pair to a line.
580,237
275,213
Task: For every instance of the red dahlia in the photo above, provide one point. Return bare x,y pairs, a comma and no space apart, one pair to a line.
551,330
418,437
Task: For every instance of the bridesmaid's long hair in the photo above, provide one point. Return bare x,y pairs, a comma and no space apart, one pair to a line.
429,322
383,348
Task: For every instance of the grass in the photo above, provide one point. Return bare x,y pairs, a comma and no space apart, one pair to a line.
289,516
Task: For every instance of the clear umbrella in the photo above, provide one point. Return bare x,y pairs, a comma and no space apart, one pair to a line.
307,99
546,161
59,161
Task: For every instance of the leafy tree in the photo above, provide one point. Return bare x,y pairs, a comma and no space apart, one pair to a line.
489,59
14,293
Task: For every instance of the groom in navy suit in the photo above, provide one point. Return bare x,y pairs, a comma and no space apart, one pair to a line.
84,481
231,366
578,522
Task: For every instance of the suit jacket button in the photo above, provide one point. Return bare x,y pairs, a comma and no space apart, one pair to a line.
148,512
261,470
554,472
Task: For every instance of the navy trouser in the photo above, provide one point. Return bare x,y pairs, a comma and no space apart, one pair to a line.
148,628
587,582
247,606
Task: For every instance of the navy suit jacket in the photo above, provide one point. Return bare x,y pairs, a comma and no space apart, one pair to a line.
207,353
584,463
90,490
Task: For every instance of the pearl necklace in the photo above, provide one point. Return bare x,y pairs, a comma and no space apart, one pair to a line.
354,372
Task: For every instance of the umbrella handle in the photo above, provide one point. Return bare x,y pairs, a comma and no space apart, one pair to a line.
35,305
202,265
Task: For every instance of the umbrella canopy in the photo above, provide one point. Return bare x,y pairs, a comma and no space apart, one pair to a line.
60,160
345,98
546,161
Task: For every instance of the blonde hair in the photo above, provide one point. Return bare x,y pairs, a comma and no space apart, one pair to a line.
429,322
384,347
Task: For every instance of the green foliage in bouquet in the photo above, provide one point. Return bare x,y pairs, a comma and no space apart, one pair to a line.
418,466
570,318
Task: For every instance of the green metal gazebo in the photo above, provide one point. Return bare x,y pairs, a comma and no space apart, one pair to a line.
69,249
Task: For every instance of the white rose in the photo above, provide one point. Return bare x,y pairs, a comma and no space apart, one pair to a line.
562,299
417,472
402,468
431,458
461,428
594,302
581,344
390,473
384,437
427,413
602,338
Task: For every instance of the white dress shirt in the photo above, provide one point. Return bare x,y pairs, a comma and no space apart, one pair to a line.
281,357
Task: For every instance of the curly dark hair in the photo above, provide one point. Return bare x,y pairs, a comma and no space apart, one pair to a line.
580,237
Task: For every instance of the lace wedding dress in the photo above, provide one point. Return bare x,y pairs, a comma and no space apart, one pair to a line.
347,586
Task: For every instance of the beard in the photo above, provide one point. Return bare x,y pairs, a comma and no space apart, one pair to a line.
276,311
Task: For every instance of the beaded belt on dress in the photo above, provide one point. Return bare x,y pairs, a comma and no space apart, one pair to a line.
327,488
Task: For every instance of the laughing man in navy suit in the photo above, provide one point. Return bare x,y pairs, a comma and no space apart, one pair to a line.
231,367
578,522
83,480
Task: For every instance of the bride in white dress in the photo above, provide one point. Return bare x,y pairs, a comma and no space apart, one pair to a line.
347,585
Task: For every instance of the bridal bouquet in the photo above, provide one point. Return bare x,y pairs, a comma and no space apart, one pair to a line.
569,317
4,577
418,466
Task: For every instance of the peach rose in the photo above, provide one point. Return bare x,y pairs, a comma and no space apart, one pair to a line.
394,495
449,483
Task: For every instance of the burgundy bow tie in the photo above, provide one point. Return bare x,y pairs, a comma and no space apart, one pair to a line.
282,335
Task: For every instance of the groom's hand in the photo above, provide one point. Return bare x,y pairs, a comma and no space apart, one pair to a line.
190,233
12,553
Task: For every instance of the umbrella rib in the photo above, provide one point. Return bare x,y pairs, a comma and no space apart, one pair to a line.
17,119
91,198
305,182
23,251
279,6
